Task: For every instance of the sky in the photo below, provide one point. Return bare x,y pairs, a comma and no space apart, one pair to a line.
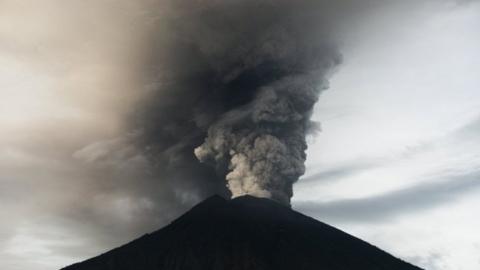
396,163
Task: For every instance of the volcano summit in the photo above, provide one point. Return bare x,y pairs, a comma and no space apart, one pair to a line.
245,233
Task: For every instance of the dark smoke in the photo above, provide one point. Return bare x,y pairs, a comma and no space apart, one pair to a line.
232,85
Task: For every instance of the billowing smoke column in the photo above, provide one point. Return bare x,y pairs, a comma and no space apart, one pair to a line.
235,83
262,143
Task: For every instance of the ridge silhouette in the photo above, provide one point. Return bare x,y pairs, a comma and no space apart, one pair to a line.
245,233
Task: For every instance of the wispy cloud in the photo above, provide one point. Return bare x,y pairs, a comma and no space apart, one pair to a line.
392,204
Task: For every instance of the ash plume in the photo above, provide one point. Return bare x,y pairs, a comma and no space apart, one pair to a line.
233,84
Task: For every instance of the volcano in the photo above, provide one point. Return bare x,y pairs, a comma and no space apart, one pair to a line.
245,233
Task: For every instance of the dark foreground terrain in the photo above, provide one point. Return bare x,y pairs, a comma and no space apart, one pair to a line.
246,233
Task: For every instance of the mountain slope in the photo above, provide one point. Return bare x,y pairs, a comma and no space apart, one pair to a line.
246,233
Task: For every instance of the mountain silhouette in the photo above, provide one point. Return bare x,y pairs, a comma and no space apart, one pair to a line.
245,233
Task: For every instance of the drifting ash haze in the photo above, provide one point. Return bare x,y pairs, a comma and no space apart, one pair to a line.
236,85
227,88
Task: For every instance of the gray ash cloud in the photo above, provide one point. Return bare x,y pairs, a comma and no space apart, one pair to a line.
232,85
